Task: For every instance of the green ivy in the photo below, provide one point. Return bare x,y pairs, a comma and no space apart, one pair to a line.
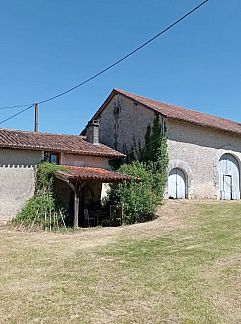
44,176
42,209
154,154
149,163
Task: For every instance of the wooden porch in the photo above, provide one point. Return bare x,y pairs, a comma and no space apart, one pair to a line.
86,185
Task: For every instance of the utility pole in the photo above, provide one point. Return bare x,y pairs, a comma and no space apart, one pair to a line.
36,117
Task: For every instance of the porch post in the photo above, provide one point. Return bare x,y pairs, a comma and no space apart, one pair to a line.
76,205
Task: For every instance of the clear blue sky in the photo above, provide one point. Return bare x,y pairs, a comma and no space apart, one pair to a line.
48,46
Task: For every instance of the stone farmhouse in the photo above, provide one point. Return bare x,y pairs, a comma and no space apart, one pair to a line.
204,150
80,187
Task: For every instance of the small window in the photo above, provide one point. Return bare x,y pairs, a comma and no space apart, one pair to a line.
117,110
51,157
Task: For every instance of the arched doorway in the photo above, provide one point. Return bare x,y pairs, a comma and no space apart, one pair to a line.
229,177
177,184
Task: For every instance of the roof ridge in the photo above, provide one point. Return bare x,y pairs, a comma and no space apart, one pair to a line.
130,95
73,144
174,112
40,133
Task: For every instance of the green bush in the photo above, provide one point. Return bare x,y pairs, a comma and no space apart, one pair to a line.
154,155
137,197
140,199
42,209
39,210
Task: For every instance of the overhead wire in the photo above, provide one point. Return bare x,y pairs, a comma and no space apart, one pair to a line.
125,56
18,113
108,67
13,107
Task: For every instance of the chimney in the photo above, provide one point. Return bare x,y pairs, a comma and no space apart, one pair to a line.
92,132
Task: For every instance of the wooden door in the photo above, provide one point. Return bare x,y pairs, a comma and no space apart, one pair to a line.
227,187
229,176
176,184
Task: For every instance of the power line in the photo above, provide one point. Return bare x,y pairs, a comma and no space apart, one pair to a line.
112,65
18,113
13,107
126,56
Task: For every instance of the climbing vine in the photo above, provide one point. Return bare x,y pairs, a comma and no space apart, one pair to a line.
149,163
154,154
42,209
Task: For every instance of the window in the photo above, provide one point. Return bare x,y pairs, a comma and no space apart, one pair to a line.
51,157
117,110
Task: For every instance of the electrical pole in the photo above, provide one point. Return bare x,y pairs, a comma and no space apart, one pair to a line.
36,117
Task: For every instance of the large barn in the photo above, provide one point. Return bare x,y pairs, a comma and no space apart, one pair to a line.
204,150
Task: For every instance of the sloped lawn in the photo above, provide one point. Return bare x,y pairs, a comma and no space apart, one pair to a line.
184,267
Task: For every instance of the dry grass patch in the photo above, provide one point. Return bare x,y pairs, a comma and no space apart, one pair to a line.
184,267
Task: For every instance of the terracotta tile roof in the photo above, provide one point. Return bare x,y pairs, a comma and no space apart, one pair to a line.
53,142
178,113
90,174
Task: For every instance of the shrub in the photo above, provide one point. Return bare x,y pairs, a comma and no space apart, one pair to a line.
154,154
138,198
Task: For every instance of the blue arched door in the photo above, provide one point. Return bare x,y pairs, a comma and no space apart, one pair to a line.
176,184
229,177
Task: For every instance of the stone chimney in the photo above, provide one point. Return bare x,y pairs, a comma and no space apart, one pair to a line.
92,132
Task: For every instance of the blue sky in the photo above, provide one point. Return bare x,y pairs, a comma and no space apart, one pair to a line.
48,46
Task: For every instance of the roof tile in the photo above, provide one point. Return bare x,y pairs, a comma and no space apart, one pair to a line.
91,174
54,142
179,113
175,112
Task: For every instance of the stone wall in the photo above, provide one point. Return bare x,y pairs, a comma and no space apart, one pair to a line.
197,150
122,122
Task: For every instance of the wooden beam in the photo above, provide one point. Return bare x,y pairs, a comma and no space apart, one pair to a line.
67,181
70,184
76,205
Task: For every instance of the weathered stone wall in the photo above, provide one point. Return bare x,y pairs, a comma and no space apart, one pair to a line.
122,122
197,151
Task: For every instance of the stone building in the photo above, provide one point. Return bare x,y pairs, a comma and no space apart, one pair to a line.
79,187
204,150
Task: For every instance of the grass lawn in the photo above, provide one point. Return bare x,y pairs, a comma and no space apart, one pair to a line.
184,267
